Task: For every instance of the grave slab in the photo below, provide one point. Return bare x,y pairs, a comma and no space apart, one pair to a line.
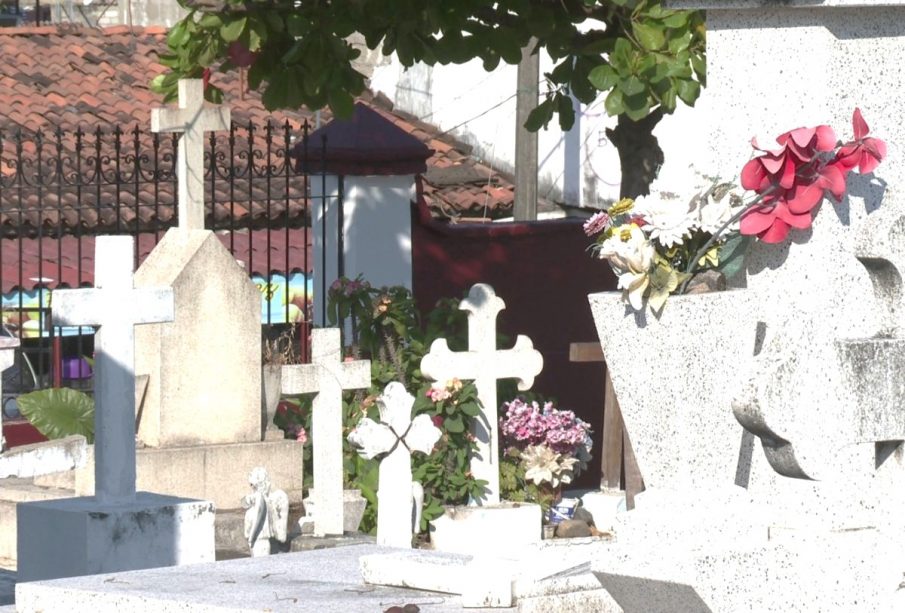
36,459
322,580
80,536
470,529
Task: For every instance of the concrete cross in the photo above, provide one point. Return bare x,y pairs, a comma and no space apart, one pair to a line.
397,435
484,364
7,357
193,119
328,376
116,307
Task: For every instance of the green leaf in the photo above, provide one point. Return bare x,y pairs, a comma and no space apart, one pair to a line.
59,412
566,112
631,86
732,254
540,116
613,103
231,31
688,91
603,77
650,36
454,424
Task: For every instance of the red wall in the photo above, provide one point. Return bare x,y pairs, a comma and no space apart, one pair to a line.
543,272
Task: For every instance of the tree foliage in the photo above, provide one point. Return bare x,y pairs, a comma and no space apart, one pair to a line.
643,56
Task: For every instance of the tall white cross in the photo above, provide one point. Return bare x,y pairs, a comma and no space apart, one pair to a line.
328,376
484,364
397,436
7,357
116,307
193,119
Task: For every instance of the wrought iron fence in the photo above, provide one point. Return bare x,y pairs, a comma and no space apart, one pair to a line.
59,189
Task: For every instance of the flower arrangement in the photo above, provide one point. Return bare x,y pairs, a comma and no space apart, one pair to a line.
553,446
657,246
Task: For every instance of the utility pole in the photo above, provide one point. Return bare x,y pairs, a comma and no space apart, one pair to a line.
526,142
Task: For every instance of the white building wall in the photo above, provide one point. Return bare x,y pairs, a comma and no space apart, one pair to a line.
478,108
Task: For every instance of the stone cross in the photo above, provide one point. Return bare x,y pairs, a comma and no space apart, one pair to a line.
397,435
328,376
116,307
484,364
193,119
7,357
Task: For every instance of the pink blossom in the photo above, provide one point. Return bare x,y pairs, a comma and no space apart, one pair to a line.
864,153
596,224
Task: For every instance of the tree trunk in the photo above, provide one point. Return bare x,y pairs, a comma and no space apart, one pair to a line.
639,153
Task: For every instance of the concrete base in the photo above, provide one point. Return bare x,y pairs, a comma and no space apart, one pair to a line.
470,530
43,458
80,536
218,473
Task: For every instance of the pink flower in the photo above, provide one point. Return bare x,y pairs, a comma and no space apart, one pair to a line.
864,153
438,420
301,436
596,224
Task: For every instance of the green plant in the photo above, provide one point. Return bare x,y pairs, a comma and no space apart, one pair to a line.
60,412
387,328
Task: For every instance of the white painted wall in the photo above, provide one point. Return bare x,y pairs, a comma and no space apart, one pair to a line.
377,232
580,167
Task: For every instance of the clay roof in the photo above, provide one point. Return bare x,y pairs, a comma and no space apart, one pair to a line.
71,78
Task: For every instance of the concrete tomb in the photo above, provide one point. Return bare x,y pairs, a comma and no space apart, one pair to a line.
395,438
117,528
328,376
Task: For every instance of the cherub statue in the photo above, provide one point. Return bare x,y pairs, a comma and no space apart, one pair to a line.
267,516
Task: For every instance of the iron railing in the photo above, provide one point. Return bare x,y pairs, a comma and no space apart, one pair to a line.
61,188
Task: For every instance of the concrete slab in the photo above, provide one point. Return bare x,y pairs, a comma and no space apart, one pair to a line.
323,581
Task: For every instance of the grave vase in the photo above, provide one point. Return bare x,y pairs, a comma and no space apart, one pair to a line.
674,377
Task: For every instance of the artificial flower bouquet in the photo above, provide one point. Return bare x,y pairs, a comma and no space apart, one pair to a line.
657,245
553,446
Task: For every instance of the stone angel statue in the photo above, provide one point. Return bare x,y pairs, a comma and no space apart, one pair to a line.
267,515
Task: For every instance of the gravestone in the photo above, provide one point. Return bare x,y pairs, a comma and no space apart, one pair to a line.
484,364
117,528
820,402
327,376
397,436
199,423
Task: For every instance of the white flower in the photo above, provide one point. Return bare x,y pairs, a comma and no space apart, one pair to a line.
712,215
631,255
668,220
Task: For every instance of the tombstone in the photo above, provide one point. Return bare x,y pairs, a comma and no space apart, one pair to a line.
199,423
267,514
484,364
369,167
395,438
117,528
327,376
819,403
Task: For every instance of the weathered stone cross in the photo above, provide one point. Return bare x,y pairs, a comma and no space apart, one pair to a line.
7,357
193,119
397,436
117,307
484,364
328,376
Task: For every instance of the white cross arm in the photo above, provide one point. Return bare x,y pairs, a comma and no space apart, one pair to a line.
423,435
371,438
355,375
99,306
205,119
522,362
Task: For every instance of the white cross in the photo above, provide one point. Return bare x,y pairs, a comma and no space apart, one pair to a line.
193,119
117,307
7,357
327,375
398,435
484,364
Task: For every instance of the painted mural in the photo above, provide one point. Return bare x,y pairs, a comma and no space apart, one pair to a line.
283,300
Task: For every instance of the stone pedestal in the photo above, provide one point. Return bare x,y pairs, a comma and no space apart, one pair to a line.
471,530
79,536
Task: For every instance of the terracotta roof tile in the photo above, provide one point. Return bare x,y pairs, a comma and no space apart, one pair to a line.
76,77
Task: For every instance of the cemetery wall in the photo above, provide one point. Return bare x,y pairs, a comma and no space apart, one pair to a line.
543,272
